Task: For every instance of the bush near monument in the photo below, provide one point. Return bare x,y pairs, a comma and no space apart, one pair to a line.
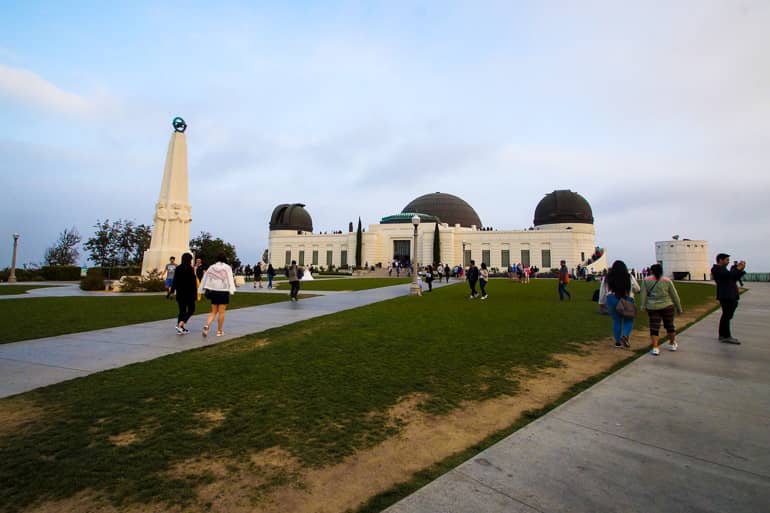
118,243
64,251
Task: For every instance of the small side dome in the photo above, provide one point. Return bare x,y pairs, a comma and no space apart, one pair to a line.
563,206
291,217
446,207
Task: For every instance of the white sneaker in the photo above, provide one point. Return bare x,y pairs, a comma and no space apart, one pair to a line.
179,330
673,347
655,351
483,297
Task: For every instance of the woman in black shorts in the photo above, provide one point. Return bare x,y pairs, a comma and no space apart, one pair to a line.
218,283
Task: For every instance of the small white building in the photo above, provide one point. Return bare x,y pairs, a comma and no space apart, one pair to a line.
684,259
563,230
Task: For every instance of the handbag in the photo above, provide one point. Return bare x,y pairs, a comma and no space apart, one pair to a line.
626,308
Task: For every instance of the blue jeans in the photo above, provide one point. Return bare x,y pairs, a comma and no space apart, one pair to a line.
620,325
563,291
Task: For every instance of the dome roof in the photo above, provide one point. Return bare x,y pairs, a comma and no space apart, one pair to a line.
446,207
563,206
291,217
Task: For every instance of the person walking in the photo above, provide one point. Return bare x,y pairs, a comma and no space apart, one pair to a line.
199,271
429,277
295,274
218,284
620,286
483,280
258,275
168,275
185,285
270,275
563,281
659,298
472,276
727,293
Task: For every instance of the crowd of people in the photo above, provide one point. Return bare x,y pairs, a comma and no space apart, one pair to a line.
616,295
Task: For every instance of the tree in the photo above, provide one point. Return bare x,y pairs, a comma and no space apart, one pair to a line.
101,247
359,243
141,239
118,243
207,248
436,246
64,251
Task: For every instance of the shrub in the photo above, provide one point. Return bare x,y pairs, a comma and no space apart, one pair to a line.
60,272
22,274
150,283
94,279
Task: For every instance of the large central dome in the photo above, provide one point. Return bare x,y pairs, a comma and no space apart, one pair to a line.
563,206
446,207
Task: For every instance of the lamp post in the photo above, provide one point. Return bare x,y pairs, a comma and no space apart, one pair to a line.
12,276
462,258
414,290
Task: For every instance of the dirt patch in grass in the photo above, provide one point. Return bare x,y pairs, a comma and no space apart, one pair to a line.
17,413
123,439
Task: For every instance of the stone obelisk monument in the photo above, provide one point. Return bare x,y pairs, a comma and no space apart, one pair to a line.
171,224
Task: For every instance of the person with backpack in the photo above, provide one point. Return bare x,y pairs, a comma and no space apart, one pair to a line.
620,288
563,281
659,298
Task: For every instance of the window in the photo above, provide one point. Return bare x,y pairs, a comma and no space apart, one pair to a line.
301,259
315,257
485,254
467,258
329,257
344,258
525,258
546,258
582,257
287,260
505,258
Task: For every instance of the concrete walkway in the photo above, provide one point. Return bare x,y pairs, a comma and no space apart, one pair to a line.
31,364
682,432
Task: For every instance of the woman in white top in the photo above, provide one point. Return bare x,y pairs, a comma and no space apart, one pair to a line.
218,283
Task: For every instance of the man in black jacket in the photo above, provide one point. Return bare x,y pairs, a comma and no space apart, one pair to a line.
473,278
727,293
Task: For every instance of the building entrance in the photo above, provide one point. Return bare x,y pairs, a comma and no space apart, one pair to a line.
402,251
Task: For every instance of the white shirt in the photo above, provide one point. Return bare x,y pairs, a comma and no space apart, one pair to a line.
218,277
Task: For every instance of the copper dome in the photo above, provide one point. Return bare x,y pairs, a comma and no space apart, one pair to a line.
446,207
291,217
563,206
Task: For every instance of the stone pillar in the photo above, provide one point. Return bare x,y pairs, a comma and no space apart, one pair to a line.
171,223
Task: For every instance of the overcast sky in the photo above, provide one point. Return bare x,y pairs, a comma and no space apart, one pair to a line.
658,113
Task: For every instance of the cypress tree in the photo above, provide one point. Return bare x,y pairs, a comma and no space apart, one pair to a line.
436,246
359,243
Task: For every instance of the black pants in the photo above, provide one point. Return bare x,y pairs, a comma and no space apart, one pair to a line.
728,310
472,284
429,281
186,308
294,289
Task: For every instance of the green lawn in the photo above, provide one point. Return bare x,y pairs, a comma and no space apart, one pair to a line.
319,389
9,290
51,316
347,283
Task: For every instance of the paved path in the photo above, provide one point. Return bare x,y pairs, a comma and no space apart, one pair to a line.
681,432
34,363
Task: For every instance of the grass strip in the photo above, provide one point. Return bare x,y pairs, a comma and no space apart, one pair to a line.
12,290
345,284
51,316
